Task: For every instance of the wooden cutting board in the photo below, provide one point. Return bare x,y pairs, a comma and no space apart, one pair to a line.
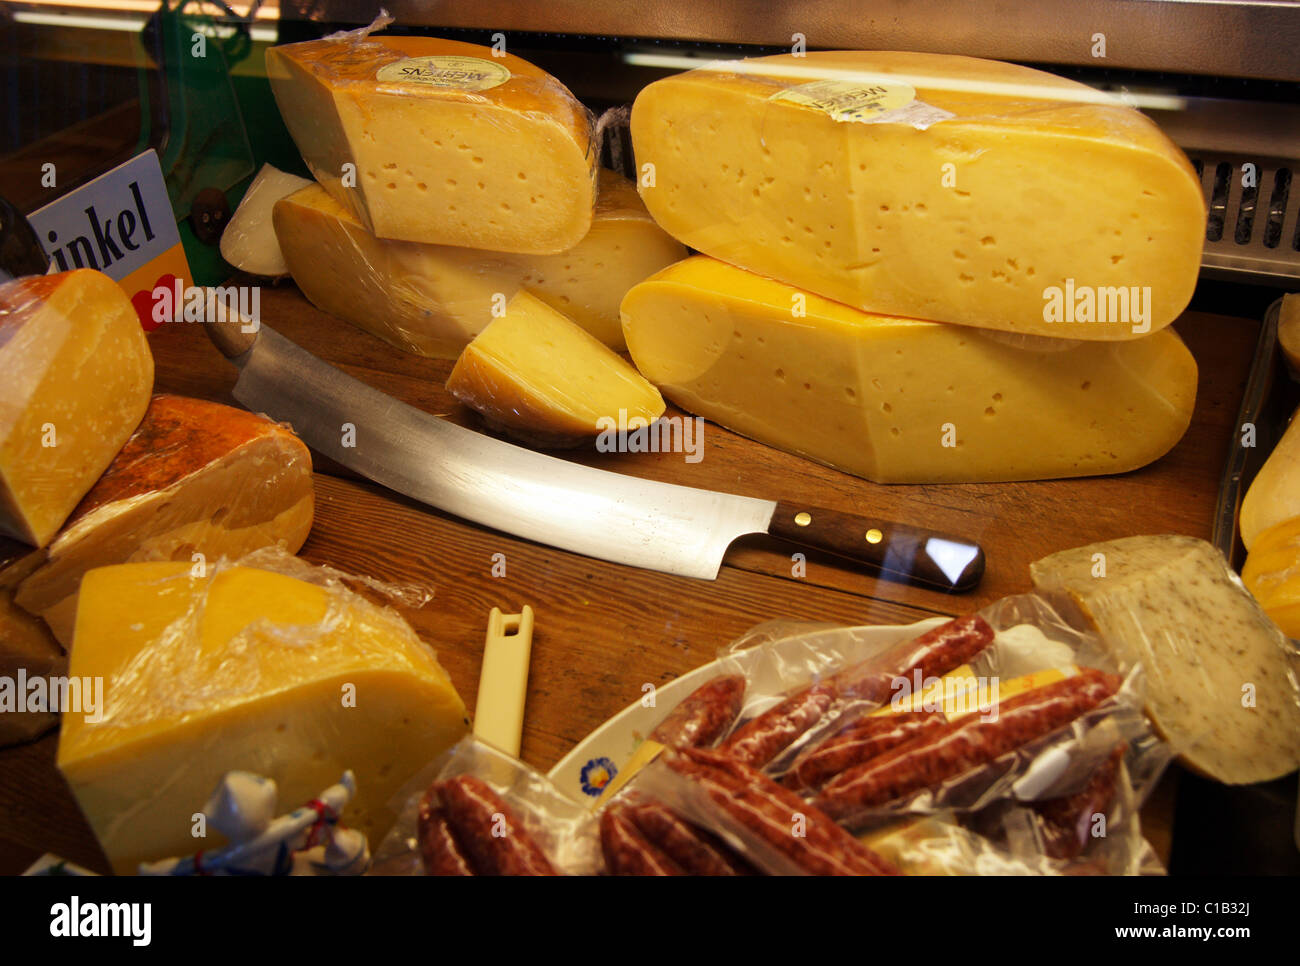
603,630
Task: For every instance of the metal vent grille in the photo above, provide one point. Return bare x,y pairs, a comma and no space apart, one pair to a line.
1252,229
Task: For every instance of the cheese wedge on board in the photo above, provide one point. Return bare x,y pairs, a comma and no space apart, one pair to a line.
899,400
248,243
432,299
537,375
927,185
196,477
293,679
1273,497
77,379
1220,678
443,141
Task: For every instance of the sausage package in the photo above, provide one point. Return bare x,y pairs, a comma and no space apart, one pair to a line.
478,811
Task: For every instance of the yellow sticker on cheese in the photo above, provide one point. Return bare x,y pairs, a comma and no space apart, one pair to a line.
451,71
864,102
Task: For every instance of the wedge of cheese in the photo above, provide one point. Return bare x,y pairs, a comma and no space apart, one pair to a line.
245,669
537,375
1272,574
196,477
899,400
77,378
248,243
439,141
432,299
930,186
1220,677
1274,495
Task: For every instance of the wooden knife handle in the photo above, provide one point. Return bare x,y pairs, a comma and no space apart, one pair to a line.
939,561
228,335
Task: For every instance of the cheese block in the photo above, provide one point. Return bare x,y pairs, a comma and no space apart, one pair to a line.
443,141
78,374
899,400
293,679
1220,677
537,375
928,185
27,652
195,477
249,243
1288,332
1273,497
1272,574
432,299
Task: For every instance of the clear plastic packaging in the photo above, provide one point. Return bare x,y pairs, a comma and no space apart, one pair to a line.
564,829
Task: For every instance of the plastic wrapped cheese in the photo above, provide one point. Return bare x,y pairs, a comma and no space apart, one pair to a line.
899,400
432,299
1221,678
930,186
196,478
1274,495
1272,574
77,379
438,141
271,666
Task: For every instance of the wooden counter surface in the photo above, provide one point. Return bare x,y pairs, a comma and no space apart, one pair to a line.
603,629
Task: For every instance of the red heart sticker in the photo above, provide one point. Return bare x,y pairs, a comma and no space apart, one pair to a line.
146,300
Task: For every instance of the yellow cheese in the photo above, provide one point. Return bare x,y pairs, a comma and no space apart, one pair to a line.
1274,495
1272,574
77,378
898,400
245,669
446,143
926,185
1288,332
536,374
1219,677
432,299
248,243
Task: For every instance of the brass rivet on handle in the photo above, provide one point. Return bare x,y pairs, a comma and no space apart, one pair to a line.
874,535
803,519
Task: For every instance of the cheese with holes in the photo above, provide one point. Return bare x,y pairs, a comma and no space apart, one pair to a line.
899,400
294,679
1272,574
248,243
439,141
1220,678
77,378
432,299
1273,497
930,186
196,477
537,375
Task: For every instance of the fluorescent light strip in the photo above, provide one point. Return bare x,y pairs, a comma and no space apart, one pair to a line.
1160,102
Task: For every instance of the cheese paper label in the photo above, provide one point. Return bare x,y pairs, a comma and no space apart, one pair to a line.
449,71
888,102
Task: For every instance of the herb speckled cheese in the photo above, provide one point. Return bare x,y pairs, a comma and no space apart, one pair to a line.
1171,603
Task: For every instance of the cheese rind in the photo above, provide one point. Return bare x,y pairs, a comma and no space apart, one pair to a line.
1274,495
1220,677
480,161
78,374
538,375
899,400
432,299
249,243
294,679
972,219
196,477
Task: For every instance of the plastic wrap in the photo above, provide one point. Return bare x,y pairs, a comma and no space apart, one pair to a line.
195,477
897,400
520,374
77,378
437,141
432,299
564,829
268,665
1273,497
801,167
1222,682
989,817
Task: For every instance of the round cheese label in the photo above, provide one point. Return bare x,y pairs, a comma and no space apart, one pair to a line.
450,71
846,100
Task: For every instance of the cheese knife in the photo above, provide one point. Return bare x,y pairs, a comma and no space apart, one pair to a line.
642,523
